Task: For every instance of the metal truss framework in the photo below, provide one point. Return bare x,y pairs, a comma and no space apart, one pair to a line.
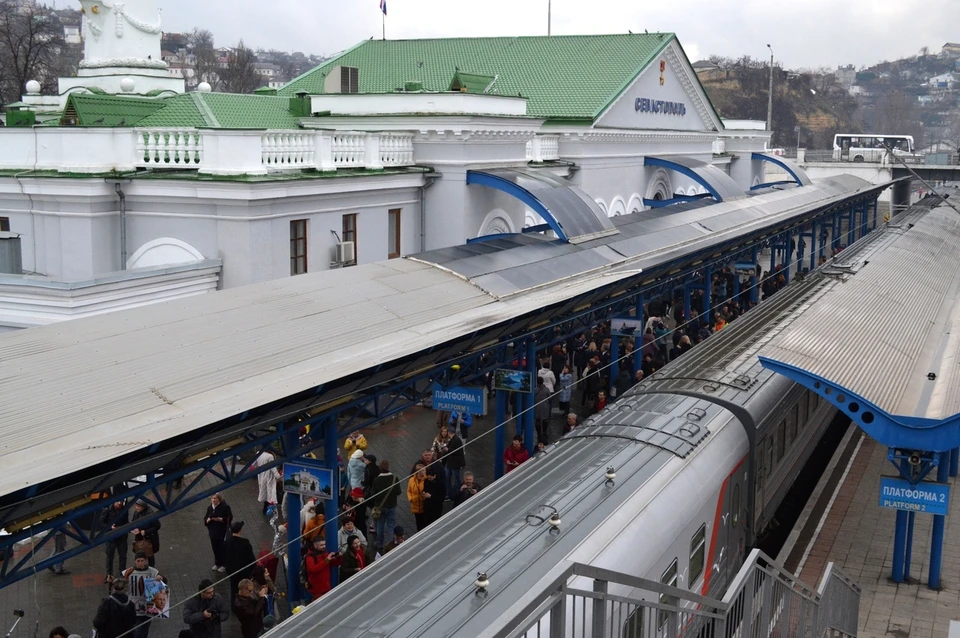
355,402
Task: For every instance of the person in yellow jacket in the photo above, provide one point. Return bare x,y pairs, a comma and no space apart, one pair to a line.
355,441
416,496
314,527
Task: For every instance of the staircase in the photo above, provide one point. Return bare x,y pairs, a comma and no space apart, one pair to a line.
763,601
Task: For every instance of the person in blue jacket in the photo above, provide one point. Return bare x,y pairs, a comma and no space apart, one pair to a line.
465,421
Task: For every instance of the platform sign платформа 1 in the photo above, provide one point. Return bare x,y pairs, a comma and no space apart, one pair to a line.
460,399
929,498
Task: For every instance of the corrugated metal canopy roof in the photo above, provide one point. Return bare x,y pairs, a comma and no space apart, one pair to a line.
895,321
121,382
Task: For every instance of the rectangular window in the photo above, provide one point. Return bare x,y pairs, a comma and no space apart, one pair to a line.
298,246
781,439
770,443
393,233
633,627
350,234
792,420
669,578
698,545
4,224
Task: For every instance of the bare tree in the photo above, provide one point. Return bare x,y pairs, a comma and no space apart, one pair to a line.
206,67
31,39
240,76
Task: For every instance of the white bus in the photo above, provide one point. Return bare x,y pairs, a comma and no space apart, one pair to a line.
867,147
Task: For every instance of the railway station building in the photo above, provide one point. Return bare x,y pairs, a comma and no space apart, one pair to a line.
121,197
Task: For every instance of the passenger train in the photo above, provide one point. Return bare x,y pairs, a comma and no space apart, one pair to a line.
679,511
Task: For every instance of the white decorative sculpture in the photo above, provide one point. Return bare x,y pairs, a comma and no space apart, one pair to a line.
121,50
121,34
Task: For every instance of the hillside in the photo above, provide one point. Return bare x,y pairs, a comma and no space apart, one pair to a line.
816,104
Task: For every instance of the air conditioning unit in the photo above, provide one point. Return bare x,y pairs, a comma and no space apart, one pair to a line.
346,252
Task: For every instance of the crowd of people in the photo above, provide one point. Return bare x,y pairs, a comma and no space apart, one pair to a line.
573,381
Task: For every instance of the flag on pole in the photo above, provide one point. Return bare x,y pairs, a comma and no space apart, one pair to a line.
383,6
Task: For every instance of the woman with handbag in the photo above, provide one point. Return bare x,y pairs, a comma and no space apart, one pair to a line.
146,537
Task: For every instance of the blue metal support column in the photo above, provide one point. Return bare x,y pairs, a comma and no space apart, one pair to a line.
293,502
936,541
875,207
773,255
708,293
851,226
331,506
614,369
638,339
528,429
899,545
865,222
500,445
814,240
754,283
687,287
954,462
908,552
788,262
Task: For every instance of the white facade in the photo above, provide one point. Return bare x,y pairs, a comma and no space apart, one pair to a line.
380,158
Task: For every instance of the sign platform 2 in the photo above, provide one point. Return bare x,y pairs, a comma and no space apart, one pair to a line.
460,399
928,498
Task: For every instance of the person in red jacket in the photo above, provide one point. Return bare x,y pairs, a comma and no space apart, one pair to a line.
515,454
319,563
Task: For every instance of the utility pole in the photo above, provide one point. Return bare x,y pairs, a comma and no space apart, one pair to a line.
770,94
549,16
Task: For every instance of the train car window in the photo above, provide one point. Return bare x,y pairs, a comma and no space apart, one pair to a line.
781,439
792,418
633,627
814,401
770,442
669,578
698,546
803,412
735,506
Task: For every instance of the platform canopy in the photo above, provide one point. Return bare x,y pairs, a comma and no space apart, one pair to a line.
569,212
721,186
884,346
797,174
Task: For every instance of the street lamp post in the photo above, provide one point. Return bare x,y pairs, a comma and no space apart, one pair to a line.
549,16
770,94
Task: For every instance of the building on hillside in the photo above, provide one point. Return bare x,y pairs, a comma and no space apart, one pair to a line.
942,81
390,148
846,76
708,71
950,50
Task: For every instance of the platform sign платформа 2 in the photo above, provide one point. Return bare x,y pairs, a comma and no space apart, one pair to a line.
929,498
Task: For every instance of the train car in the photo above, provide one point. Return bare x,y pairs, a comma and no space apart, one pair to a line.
672,483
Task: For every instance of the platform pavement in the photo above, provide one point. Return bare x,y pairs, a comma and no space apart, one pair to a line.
858,535
185,557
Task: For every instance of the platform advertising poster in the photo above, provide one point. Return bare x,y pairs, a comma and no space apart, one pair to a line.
512,380
308,478
627,326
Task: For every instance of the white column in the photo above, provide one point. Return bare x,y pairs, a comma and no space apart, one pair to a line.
236,152
323,151
372,159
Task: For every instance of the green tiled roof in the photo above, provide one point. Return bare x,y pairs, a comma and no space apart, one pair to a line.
563,77
224,110
91,109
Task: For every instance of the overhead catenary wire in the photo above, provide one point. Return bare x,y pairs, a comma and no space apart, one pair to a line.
718,305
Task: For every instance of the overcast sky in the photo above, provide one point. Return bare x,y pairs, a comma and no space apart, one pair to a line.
804,33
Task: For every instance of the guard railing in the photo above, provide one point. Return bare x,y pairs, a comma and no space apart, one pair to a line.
763,600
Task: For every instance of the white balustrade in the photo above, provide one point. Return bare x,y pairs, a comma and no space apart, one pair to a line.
543,148
396,149
287,149
169,148
549,147
349,150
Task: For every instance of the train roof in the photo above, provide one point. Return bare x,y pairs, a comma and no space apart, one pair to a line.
425,586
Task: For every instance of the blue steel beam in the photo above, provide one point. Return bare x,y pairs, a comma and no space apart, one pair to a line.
895,431
363,411
525,196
